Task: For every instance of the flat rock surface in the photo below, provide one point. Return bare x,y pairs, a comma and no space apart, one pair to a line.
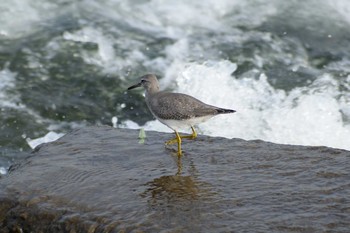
101,179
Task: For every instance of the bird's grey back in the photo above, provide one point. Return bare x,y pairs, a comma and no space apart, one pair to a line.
177,106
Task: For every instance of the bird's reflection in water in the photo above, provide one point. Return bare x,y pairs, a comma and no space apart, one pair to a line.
176,187
179,165
177,201
172,187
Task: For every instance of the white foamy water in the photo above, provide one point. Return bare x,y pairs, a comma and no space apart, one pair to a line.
304,116
22,17
192,39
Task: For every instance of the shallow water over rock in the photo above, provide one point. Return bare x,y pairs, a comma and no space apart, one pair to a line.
101,179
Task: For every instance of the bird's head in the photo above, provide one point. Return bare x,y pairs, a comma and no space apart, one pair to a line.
149,82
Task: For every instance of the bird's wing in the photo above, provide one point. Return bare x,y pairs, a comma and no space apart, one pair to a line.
178,106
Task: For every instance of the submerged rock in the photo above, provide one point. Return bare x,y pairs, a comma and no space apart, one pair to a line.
101,179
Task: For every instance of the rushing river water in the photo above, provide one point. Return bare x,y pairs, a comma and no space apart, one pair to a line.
283,65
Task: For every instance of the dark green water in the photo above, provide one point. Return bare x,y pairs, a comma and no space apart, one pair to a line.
66,65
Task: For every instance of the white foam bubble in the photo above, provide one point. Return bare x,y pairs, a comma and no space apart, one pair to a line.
49,137
3,171
114,121
129,124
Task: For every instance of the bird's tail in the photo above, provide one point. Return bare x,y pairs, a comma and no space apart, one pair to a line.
224,111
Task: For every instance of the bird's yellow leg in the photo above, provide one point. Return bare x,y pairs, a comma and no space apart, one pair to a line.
178,140
179,151
192,136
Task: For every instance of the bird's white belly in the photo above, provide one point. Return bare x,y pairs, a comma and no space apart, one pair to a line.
181,124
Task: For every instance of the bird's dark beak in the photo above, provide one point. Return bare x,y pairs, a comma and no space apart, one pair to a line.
134,86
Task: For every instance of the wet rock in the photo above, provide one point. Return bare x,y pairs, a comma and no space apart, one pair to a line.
101,179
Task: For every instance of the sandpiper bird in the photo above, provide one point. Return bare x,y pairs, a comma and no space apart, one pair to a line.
176,110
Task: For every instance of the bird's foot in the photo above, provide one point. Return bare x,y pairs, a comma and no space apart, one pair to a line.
172,141
178,141
192,136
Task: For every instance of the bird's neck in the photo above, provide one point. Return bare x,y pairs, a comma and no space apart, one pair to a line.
152,91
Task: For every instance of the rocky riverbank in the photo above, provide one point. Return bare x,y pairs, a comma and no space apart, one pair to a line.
101,179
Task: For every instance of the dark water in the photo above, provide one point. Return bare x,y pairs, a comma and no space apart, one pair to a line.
92,179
